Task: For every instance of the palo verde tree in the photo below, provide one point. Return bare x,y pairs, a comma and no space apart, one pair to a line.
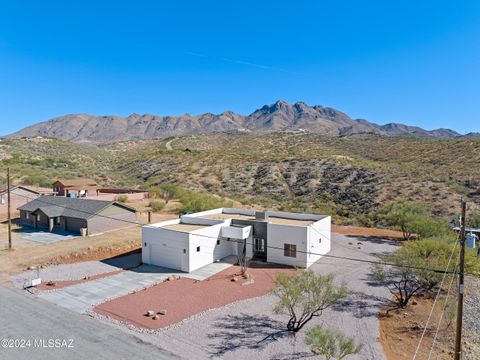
412,220
411,269
331,344
402,214
304,296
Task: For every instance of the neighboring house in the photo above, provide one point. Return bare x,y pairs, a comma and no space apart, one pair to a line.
75,187
19,195
198,239
55,213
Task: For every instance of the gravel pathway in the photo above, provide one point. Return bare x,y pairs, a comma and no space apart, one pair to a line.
247,329
471,324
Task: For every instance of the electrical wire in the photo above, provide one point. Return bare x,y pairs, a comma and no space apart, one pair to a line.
434,302
441,316
268,246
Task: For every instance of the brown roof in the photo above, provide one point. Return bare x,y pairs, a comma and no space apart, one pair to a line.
76,182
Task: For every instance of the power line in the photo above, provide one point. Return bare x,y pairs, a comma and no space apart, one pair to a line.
434,302
268,246
441,316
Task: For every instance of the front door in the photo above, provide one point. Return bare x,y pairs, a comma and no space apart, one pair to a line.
259,249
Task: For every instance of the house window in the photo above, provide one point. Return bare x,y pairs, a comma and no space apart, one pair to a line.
198,248
38,217
258,244
27,215
56,220
218,242
184,251
289,250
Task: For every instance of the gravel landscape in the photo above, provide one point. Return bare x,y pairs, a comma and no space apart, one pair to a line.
472,320
249,329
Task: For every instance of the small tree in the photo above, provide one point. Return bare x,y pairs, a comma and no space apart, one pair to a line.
402,214
331,343
304,296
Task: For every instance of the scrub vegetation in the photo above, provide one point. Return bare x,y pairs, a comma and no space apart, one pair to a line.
350,177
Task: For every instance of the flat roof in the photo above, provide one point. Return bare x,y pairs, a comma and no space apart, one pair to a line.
184,227
224,216
271,219
284,221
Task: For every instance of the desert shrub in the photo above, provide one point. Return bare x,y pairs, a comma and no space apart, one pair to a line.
304,296
413,264
157,205
38,180
121,198
402,214
473,220
332,344
412,219
193,201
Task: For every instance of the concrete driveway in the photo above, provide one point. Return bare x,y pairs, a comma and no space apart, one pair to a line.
82,297
44,237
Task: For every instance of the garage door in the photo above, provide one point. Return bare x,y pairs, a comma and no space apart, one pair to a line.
166,256
74,225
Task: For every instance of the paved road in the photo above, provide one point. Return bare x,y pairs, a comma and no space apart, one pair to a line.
82,297
22,317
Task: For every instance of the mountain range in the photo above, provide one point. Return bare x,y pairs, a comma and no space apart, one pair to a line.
279,116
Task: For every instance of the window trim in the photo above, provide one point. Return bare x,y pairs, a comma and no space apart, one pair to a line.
290,250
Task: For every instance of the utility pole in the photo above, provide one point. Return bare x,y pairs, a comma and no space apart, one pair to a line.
461,288
9,211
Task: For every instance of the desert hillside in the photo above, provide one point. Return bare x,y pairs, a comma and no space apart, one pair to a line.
349,177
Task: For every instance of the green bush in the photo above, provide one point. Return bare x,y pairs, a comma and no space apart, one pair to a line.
37,180
412,219
192,201
157,205
332,344
473,220
121,198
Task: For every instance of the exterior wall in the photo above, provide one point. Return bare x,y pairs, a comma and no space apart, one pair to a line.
319,240
209,252
27,221
18,197
74,225
278,236
118,218
173,241
42,220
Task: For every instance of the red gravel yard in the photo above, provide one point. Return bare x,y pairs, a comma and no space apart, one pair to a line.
184,297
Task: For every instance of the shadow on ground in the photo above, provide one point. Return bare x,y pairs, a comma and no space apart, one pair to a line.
126,261
374,239
246,331
361,305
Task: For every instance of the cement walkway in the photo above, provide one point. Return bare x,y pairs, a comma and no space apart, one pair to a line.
82,297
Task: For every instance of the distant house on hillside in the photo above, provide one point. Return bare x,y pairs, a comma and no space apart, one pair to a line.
55,213
75,187
19,195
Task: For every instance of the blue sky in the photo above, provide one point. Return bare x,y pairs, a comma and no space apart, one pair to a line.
415,62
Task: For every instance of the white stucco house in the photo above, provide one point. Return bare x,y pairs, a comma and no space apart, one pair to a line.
199,239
